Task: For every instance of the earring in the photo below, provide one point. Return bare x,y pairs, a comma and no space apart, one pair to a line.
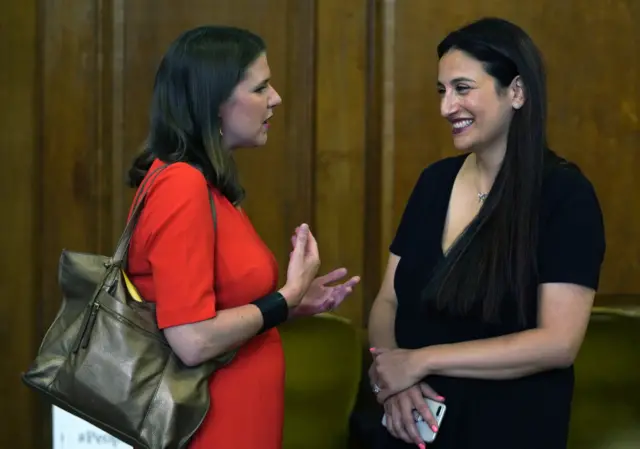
220,131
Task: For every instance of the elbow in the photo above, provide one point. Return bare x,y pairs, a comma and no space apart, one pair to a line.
190,355
189,358
564,361
565,356
190,348
198,352
194,344
558,350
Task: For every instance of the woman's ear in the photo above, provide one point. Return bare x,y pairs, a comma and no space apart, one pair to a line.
518,93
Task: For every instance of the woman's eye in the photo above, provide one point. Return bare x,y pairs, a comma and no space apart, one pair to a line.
462,89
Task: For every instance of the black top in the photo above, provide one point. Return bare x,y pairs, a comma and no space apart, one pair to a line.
530,412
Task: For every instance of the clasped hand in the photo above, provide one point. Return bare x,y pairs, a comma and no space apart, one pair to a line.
395,370
395,376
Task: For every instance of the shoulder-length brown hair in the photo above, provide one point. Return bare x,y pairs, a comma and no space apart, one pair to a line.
196,76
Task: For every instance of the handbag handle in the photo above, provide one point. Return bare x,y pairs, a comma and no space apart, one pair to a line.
122,247
123,243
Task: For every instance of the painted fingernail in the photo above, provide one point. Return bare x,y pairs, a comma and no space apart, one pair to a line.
434,428
440,398
422,446
372,349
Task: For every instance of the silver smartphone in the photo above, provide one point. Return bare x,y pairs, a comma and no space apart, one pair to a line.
426,433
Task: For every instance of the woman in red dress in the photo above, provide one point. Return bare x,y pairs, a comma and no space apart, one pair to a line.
215,287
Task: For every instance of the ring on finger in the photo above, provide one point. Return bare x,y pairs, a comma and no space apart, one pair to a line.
416,415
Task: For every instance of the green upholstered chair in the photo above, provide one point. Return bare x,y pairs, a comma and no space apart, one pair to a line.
606,401
323,358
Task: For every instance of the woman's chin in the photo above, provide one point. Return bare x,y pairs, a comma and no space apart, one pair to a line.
462,146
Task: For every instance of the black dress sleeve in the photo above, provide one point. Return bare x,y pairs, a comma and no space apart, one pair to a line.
572,238
412,217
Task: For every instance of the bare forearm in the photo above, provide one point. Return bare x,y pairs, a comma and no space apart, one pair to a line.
228,330
505,357
382,324
198,342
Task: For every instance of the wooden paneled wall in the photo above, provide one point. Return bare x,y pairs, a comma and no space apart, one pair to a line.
591,53
358,123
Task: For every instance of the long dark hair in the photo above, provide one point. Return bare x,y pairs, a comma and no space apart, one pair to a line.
496,256
196,76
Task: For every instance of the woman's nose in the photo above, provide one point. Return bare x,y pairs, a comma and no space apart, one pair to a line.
448,105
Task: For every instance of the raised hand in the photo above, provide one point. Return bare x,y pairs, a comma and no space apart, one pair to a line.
322,297
303,266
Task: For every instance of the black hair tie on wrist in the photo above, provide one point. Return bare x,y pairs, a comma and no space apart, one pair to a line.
274,309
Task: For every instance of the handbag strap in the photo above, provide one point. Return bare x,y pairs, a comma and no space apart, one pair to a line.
123,243
142,188
119,257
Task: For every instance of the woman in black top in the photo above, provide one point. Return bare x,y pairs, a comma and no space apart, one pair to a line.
495,264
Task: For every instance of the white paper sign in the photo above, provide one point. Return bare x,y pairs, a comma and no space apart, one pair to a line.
71,432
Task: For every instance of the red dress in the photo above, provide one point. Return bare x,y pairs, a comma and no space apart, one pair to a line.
171,261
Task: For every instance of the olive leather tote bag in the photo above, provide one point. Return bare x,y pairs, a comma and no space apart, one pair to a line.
105,361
